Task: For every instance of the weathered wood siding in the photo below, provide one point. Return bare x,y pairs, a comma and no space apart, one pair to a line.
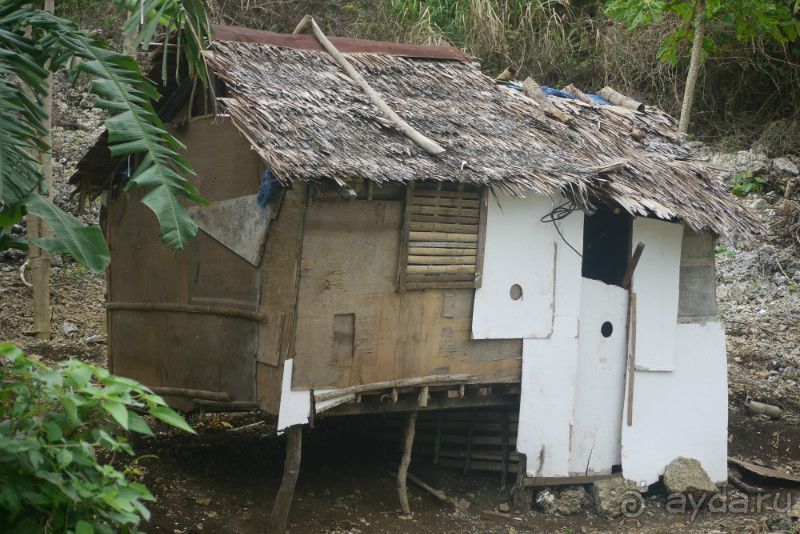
175,348
347,296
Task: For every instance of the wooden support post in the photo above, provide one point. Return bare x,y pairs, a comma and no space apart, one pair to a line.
291,468
504,468
521,495
437,444
405,461
423,397
470,434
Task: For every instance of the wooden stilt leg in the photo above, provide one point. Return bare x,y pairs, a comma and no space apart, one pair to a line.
291,468
470,434
522,496
437,444
504,467
405,461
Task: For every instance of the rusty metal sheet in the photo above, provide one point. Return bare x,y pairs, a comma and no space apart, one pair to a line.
346,45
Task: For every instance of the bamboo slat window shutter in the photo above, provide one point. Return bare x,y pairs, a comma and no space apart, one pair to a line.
443,232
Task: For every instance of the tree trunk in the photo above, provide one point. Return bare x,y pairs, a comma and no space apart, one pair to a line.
291,469
39,260
694,66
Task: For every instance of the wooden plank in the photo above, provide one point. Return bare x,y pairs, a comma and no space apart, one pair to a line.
408,405
478,465
443,227
446,251
270,336
441,211
418,381
631,356
405,237
439,285
444,244
440,269
437,193
279,283
446,202
441,260
443,219
481,237
567,481
442,236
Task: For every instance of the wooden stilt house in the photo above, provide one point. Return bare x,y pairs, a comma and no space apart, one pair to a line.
343,269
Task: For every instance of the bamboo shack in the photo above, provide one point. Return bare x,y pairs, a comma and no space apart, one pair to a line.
390,230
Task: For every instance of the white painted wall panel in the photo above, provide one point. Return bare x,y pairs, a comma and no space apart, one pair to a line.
295,406
546,402
600,380
683,412
568,264
656,284
520,249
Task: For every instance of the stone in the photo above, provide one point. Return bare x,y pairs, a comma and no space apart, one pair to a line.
69,328
546,501
785,166
687,476
503,507
615,496
571,500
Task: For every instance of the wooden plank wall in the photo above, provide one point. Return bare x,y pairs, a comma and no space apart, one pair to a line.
349,265
280,269
174,348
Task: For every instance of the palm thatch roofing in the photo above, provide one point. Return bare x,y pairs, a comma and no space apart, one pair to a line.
309,121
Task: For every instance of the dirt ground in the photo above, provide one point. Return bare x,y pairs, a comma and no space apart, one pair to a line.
224,478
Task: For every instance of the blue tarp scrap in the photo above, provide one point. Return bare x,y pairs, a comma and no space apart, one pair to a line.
549,91
269,184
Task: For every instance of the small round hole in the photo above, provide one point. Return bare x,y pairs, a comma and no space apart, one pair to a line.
607,329
515,292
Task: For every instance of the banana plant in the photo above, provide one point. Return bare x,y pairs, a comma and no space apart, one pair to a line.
34,43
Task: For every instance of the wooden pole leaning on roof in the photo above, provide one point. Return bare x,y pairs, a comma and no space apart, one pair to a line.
291,468
428,145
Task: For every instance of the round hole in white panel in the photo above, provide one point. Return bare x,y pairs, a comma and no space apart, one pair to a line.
515,292
607,329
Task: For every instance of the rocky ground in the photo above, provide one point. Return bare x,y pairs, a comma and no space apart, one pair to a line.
224,478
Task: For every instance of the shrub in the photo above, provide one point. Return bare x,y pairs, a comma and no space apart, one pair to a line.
746,182
61,429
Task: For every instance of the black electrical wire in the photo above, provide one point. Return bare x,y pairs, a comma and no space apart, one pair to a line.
560,213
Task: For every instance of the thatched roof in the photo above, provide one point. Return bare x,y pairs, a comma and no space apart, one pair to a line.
309,121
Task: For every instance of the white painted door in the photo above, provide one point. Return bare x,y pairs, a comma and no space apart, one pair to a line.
600,380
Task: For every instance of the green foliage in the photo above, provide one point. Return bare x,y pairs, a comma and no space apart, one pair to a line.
34,43
57,424
746,182
751,20
185,21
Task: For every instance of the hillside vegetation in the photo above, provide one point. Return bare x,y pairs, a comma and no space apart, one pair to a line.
743,87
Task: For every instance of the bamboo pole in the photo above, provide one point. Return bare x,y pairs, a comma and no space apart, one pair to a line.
428,145
39,259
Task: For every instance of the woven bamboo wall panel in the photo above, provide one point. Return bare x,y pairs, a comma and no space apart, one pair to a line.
442,237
